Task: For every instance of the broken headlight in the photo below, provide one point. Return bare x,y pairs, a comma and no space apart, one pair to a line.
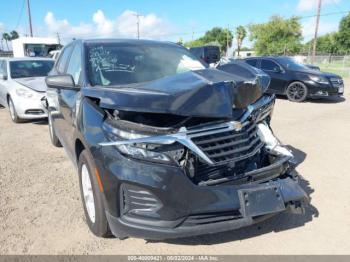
142,151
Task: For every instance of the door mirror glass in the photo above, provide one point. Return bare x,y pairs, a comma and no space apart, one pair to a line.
276,69
61,82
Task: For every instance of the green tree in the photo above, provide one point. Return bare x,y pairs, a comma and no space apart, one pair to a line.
326,44
6,37
277,36
241,33
343,36
215,35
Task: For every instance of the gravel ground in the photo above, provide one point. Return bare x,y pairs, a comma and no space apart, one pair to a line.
41,212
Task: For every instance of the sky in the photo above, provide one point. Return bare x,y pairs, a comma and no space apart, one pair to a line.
162,20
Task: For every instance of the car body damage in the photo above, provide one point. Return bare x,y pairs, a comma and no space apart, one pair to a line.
181,155
203,93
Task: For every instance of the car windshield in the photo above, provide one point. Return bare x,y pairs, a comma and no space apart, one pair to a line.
119,64
291,64
30,68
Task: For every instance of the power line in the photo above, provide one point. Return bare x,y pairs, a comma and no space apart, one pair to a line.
20,15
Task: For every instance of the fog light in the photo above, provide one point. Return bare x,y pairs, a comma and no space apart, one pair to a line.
322,93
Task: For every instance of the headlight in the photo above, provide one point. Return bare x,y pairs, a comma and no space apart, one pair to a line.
144,154
319,79
139,151
23,92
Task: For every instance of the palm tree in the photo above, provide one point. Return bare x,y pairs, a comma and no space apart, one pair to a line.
241,33
14,35
6,37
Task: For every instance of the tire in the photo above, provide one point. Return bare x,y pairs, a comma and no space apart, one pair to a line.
53,137
296,92
92,197
13,113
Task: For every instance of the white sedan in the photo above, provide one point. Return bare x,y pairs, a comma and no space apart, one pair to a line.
23,87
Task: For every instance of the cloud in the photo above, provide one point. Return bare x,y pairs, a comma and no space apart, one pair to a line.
2,27
151,26
307,5
308,28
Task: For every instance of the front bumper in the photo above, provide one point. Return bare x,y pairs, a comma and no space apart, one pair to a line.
317,90
30,108
159,201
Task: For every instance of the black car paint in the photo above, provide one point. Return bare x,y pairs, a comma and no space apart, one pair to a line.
280,79
78,117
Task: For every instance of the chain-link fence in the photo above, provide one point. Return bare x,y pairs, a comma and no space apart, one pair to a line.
334,64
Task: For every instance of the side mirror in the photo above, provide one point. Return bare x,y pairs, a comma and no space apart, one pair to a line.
277,70
3,77
61,82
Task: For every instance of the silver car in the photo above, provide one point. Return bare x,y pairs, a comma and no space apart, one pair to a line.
23,88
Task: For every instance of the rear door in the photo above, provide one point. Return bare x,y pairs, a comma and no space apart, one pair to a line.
277,74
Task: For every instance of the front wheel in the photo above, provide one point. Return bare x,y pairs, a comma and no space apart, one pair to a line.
296,92
92,197
13,113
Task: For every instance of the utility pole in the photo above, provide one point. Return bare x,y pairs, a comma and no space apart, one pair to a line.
316,30
30,19
227,44
58,38
138,24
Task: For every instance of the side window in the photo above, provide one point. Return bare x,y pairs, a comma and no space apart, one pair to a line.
74,66
269,65
252,62
62,62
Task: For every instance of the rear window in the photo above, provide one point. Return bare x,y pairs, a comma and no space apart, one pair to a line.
30,68
119,64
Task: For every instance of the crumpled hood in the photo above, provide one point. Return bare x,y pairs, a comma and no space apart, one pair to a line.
36,83
202,93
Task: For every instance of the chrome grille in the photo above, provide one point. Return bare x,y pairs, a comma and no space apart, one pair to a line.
233,145
337,82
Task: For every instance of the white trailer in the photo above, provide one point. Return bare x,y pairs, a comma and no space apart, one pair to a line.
34,46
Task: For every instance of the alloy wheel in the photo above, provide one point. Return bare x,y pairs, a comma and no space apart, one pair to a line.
88,193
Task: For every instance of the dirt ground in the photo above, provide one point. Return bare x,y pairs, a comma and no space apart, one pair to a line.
41,211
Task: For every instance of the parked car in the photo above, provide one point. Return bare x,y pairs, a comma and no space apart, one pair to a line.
164,146
23,88
209,54
297,81
313,67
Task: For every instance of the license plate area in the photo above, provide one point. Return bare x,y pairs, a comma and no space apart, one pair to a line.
341,89
261,201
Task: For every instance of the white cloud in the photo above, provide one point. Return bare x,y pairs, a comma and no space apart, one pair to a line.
2,27
308,28
151,26
307,5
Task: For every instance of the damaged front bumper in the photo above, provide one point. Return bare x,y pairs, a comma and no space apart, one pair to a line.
160,202
228,175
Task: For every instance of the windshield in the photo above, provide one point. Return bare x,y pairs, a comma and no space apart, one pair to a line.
116,64
291,64
30,68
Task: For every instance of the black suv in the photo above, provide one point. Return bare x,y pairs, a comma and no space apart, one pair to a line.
297,81
164,146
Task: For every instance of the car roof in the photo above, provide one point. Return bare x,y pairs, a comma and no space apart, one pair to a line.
126,41
264,57
26,58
